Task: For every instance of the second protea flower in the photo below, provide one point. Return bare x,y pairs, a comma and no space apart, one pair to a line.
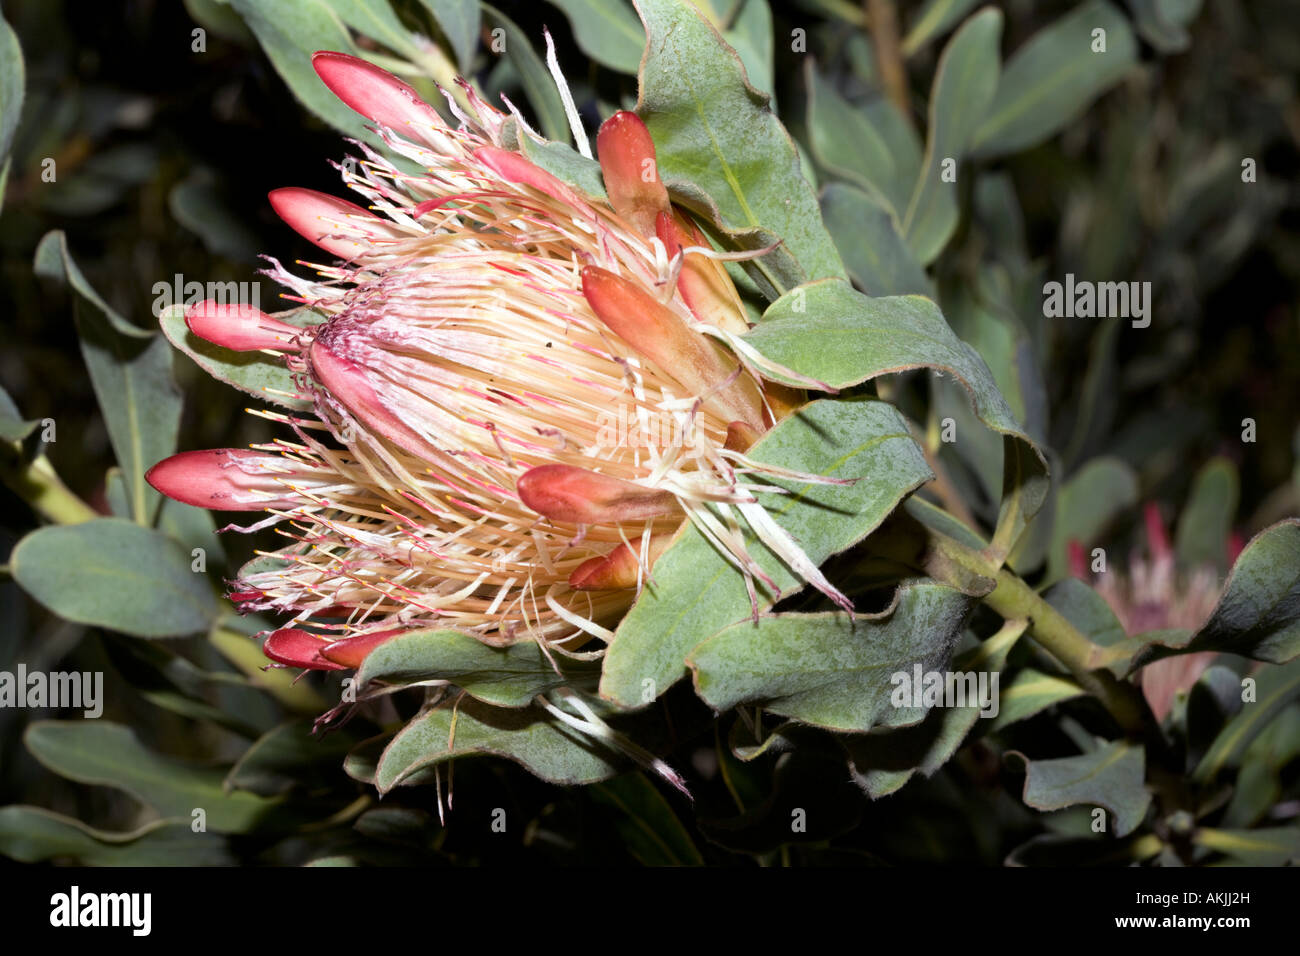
481,320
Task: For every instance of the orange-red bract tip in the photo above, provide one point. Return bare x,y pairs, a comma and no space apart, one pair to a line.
577,496
617,570
374,93
240,328
660,335
351,651
627,164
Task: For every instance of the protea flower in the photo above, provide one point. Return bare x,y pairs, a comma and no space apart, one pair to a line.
481,319
1155,595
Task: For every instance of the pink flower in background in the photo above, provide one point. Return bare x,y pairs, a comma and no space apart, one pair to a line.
1153,594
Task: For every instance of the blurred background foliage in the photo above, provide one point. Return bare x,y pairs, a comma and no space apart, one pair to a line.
163,158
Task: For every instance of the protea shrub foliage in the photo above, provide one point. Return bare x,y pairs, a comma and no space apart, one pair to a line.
655,469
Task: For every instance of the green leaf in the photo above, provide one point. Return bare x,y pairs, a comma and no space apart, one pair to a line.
746,25
131,371
933,20
721,151
963,90
1094,497
201,207
1258,614
1110,776
832,670
836,335
882,762
1162,23
529,736
874,252
289,32
537,82
13,427
608,31
459,21
1030,693
646,823
1258,785
1267,846
1088,611
12,82
506,676
1053,77
1206,520
35,835
288,756
102,753
695,592
375,19
845,143
113,573
253,372
1275,689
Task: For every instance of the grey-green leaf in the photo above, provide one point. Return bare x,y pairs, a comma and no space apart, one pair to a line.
608,31
459,21
1112,776
113,573
289,32
1088,502
963,90
507,676
831,670
1205,523
934,19
646,823
883,761
1054,76
696,592
1258,614
874,252
845,143
531,737
36,835
1030,693
102,753
834,334
131,371
11,88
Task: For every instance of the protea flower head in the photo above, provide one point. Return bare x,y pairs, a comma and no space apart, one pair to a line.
1154,595
481,321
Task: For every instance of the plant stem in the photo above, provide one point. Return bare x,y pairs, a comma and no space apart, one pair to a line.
882,20
948,560
37,483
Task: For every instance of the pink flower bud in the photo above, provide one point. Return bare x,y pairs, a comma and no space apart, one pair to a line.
224,479
337,226
578,496
240,328
374,93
